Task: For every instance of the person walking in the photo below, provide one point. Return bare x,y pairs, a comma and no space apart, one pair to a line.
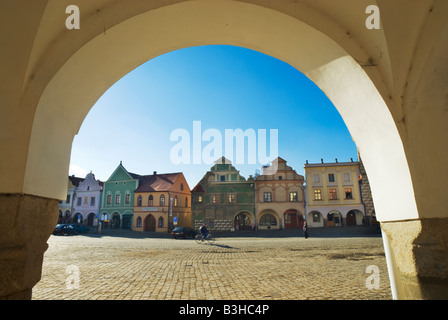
305,230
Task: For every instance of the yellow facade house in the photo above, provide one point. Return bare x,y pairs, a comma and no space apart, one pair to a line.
162,202
333,194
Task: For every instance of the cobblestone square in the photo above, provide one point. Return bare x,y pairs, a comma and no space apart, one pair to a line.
260,266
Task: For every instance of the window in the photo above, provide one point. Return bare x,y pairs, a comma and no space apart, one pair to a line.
139,221
127,198
160,222
150,201
333,194
280,178
331,177
346,177
181,186
316,217
92,201
175,201
200,199
215,199
68,199
117,199
268,220
317,194
86,199
223,178
109,199
267,197
293,196
162,200
348,193
231,198
78,201
316,178
139,201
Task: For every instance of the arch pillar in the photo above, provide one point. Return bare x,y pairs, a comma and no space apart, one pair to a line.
27,223
417,254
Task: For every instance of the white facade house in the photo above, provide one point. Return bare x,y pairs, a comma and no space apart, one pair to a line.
86,202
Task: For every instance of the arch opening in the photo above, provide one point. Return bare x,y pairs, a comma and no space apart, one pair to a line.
321,59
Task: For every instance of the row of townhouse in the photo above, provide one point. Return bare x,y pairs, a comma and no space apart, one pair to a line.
332,195
127,200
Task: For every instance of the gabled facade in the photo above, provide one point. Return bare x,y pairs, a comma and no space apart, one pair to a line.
224,199
86,204
162,202
117,198
279,197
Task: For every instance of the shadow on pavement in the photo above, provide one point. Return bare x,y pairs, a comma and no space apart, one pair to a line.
334,232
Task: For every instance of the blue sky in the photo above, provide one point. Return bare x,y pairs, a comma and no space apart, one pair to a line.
223,87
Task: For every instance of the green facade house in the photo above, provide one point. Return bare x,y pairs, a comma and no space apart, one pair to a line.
223,199
117,199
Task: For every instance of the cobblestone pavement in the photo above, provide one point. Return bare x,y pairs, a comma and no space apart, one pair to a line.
258,266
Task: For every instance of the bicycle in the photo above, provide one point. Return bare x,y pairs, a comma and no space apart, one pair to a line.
200,238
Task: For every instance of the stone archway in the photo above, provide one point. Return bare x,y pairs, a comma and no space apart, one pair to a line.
381,81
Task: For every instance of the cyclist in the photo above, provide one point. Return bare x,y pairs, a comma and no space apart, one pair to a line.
204,231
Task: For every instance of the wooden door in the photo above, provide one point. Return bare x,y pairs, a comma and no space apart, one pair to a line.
351,219
291,219
150,223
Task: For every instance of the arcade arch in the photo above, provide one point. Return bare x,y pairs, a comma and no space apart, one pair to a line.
91,219
268,219
315,219
334,219
244,220
379,81
354,218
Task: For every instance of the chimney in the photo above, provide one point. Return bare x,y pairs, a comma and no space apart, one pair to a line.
155,172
